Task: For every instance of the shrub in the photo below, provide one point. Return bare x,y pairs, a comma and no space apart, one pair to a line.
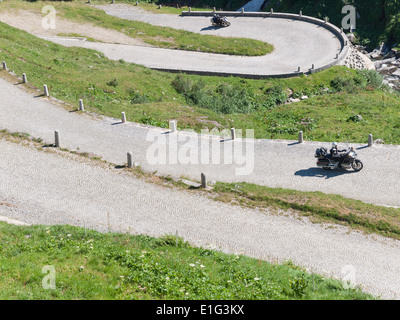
277,94
136,97
348,84
113,83
225,99
372,78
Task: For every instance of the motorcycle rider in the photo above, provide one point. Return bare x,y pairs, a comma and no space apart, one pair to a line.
217,19
335,153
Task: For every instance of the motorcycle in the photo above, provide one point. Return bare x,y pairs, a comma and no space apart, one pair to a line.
349,160
220,22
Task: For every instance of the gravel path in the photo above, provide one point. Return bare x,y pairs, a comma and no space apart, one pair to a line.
296,44
274,163
47,188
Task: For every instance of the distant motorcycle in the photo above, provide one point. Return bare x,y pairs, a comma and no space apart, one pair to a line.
218,21
348,159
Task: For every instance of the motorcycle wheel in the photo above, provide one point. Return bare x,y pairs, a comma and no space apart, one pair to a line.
357,165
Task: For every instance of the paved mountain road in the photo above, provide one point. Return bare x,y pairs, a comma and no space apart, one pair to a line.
296,44
45,188
278,164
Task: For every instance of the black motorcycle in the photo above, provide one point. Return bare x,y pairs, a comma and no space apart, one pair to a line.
348,159
218,21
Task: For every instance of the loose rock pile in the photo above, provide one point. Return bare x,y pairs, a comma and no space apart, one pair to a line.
383,59
387,63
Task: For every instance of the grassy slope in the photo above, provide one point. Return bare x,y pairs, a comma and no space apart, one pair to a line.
90,265
89,76
318,206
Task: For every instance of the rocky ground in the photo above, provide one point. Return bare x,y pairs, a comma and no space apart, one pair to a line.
386,61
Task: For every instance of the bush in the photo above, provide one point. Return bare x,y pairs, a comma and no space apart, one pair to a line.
136,97
372,78
277,94
348,84
113,83
225,99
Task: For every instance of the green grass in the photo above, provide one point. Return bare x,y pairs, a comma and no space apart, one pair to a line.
154,8
76,35
147,96
163,37
93,266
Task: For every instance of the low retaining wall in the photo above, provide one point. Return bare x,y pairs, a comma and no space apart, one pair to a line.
341,36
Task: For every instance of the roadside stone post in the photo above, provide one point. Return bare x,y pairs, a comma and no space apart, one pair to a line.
370,140
4,65
190,9
301,138
272,10
56,139
172,125
46,91
233,133
123,117
203,181
213,9
300,13
81,107
130,160
242,10
24,78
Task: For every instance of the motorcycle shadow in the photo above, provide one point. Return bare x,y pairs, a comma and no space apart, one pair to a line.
321,173
210,28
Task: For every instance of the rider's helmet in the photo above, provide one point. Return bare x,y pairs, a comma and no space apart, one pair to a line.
334,145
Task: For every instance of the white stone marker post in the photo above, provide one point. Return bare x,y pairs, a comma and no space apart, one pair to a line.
130,160
81,107
370,140
301,138
203,180
46,91
57,138
172,125
233,133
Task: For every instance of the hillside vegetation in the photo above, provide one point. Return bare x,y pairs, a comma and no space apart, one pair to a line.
378,20
107,87
89,265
